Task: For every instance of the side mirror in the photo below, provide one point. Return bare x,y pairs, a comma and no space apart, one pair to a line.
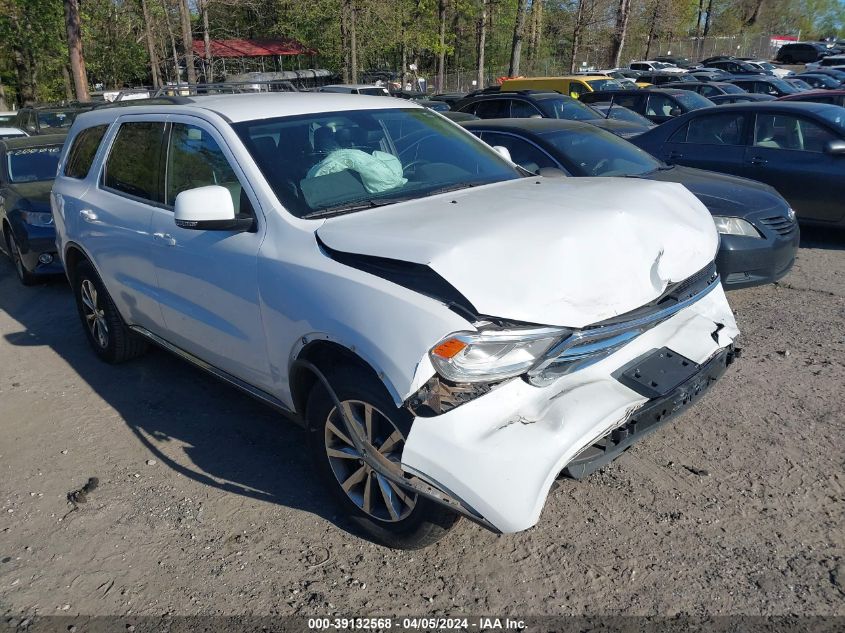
835,147
208,209
503,151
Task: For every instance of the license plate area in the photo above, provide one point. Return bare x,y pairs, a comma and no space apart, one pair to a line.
657,373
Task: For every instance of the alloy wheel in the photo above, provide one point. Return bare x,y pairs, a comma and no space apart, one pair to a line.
95,316
373,493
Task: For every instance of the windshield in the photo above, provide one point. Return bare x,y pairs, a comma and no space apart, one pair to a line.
783,86
731,89
29,164
621,113
662,65
605,84
824,80
692,100
6,117
748,67
595,152
800,84
339,162
56,119
375,92
567,108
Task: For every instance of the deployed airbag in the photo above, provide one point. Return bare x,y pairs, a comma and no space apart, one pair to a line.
379,171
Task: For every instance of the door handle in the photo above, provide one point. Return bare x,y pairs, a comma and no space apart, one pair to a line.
167,238
756,160
675,155
88,215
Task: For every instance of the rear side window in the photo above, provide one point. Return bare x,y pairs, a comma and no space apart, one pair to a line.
715,129
82,152
133,165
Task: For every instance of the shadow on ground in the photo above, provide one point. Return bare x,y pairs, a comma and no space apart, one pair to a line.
230,442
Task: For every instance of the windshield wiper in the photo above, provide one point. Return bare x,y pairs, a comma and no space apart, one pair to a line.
373,203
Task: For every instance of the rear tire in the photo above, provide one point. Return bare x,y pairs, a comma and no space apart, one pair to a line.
108,335
413,522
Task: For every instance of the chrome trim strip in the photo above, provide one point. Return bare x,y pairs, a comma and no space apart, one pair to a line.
609,331
256,393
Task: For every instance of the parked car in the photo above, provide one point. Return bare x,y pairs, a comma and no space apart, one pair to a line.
7,117
797,83
769,68
746,97
765,85
837,73
431,104
796,147
657,105
356,89
653,66
663,78
835,97
27,169
829,61
710,74
448,97
572,85
621,113
709,88
738,67
404,302
758,229
820,81
11,132
715,58
49,119
680,62
531,103
800,53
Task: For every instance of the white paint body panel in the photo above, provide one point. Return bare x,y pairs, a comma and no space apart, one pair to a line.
500,453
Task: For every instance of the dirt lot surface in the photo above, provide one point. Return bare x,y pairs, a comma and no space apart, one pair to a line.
206,503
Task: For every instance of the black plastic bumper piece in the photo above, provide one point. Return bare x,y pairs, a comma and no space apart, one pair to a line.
650,416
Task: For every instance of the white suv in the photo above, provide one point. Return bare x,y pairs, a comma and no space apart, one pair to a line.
454,333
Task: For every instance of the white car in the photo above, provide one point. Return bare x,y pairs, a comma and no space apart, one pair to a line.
357,89
654,66
765,66
11,132
453,332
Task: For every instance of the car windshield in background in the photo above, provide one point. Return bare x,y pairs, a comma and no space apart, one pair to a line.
692,100
29,164
596,152
7,117
824,80
783,86
340,162
375,92
732,89
621,113
56,119
567,108
605,84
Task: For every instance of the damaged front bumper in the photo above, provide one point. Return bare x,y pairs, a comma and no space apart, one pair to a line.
499,454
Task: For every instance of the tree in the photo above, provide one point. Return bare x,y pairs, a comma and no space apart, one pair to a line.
482,40
576,35
187,40
516,47
151,47
623,11
74,45
441,50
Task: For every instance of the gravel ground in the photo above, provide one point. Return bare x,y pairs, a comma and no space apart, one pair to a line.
206,503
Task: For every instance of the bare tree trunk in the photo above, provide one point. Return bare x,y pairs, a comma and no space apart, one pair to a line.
178,77
516,47
623,12
67,82
441,53
344,39
206,40
187,40
3,105
576,35
652,29
707,19
353,43
482,41
151,49
74,45
536,32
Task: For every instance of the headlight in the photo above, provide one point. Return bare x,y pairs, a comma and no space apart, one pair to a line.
34,218
489,355
735,226
791,214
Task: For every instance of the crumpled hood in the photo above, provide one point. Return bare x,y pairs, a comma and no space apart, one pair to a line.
552,251
724,194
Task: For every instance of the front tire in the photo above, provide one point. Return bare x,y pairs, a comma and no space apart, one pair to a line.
108,335
389,514
24,276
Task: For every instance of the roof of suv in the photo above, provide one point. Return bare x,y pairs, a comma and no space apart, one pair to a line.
268,105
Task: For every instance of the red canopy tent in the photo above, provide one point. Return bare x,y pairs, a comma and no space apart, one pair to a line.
252,48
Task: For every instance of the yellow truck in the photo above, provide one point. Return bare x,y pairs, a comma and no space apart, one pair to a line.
572,85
